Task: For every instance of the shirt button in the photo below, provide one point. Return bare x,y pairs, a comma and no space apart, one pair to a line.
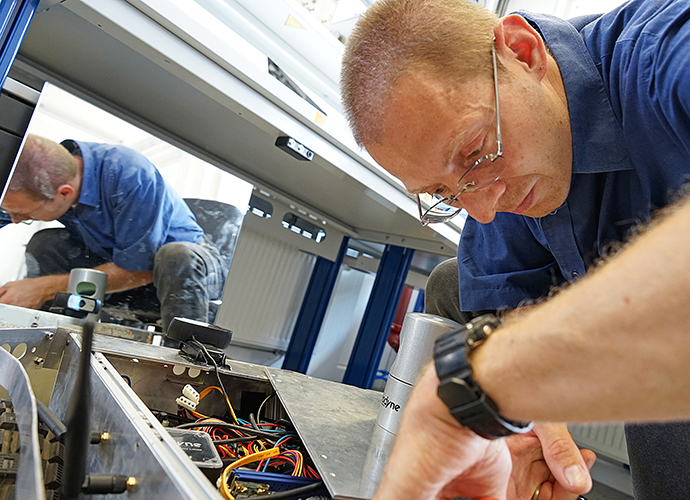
575,275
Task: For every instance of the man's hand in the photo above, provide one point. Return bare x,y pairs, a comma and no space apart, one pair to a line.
435,457
30,292
547,456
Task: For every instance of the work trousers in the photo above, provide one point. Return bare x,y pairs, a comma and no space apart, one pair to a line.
186,275
441,296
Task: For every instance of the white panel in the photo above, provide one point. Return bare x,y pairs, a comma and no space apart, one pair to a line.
342,320
265,288
341,324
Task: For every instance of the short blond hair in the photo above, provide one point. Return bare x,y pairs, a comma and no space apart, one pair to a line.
447,39
43,166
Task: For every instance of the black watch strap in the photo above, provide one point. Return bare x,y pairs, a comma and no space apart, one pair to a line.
458,389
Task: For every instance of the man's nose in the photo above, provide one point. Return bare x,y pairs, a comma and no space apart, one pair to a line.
481,205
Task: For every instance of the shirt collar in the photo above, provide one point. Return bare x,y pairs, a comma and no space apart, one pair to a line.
90,179
598,141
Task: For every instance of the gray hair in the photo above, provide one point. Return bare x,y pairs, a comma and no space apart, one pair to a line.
43,166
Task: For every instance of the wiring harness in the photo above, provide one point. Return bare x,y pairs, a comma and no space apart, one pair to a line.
256,444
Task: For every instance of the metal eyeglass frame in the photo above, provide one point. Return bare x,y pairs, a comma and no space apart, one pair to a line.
426,217
27,220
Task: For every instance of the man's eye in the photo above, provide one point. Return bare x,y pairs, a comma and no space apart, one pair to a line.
476,151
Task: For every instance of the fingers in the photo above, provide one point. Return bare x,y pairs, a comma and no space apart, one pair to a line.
3,294
565,460
555,491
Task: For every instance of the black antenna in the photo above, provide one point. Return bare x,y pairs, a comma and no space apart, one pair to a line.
78,433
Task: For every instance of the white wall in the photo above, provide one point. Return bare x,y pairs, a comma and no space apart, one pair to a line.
341,324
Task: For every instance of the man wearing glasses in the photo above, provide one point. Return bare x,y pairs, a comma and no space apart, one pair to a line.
558,138
120,217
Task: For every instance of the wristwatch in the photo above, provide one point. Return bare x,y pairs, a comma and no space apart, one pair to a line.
459,391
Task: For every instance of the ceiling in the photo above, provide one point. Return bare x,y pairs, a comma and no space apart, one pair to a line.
205,101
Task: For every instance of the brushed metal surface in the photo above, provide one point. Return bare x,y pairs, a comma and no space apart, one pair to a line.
335,421
139,445
417,337
418,333
43,349
337,425
29,474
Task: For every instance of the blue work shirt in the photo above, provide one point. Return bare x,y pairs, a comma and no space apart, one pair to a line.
627,80
126,210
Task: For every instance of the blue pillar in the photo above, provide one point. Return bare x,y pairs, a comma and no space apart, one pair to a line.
313,311
419,305
376,324
15,16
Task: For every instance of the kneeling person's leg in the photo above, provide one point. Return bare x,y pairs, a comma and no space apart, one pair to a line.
187,276
55,251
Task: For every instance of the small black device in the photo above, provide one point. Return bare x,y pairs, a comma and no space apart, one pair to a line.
200,448
294,148
181,329
458,389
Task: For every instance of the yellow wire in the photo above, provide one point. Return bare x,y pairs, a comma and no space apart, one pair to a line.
203,394
298,460
272,452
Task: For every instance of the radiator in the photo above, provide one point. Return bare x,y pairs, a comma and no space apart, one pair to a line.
264,291
607,440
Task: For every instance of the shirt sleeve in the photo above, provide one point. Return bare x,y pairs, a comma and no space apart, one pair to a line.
653,91
5,220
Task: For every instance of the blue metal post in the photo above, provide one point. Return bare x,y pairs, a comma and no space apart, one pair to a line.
419,305
376,324
15,16
313,311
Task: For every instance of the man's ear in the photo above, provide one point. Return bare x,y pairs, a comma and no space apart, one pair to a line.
65,190
517,41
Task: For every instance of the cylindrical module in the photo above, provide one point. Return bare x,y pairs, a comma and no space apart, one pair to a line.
89,283
417,336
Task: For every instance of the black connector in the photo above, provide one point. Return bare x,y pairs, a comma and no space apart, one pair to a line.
104,484
294,148
199,353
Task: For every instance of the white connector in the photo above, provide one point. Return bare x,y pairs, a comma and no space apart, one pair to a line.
186,403
189,398
190,393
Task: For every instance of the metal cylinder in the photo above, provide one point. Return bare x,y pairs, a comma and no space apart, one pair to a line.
417,336
88,283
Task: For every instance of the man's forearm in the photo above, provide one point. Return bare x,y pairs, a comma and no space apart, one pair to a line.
44,288
120,279
612,347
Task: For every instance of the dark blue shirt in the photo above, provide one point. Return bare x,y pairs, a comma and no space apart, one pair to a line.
126,210
627,80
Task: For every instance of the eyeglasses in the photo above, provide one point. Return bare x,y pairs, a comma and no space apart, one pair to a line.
484,172
26,219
